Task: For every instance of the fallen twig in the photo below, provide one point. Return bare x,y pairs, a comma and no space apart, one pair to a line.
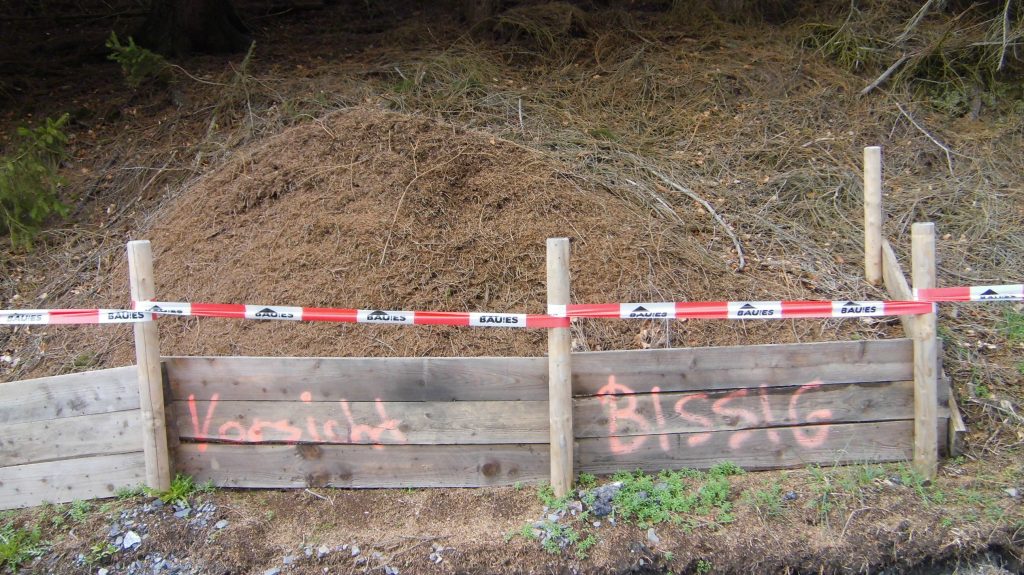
885,75
707,206
945,148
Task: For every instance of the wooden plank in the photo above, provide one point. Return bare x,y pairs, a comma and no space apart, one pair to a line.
926,445
85,393
559,370
360,379
896,283
147,358
277,466
644,414
70,437
453,422
691,369
795,447
873,214
956,429
70,479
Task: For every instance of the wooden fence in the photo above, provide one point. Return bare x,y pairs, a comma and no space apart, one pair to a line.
461,422
419,422
381,422
70,437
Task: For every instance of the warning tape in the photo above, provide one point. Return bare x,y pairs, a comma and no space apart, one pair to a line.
373,316
71,316
557,316
743,309
1009,292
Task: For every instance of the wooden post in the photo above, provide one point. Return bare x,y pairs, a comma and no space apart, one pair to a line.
560,371
873,214
926,446
147,358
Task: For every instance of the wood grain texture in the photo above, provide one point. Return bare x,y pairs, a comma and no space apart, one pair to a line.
70,437
896,283
86,393
926,366
752,450
360,379
147,358
277,466
453,422
691,369
559,370
873,214
645,414
70,479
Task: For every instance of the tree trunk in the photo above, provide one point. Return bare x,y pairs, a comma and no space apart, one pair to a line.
180,27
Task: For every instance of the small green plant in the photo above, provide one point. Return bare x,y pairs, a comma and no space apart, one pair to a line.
982,391
19,546
725,469
559,537
79,510
586,481
767,502
584,546
824,498
99,553
703,567
1014,326
182,487
29,181
130,492
547,496
138,64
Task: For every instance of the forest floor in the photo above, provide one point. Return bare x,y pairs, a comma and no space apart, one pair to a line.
387,154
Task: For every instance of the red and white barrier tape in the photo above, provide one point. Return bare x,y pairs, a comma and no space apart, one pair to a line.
71,316
743,309
374,316
1010,292
557,316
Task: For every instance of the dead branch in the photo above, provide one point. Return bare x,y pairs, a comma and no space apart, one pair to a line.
917,20
1006,36
945,148
885,75
707,206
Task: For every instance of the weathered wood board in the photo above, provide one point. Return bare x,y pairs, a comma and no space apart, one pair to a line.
751,408
70,479
692,369
342,422
359,379
86,393
275,466
70,437
753,449
896,283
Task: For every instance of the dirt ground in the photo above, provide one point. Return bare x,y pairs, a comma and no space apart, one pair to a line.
388,154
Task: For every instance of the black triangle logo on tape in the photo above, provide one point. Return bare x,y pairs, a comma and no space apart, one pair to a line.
156,309
376,314
266,310
990,292
640,308
748,306
849,304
